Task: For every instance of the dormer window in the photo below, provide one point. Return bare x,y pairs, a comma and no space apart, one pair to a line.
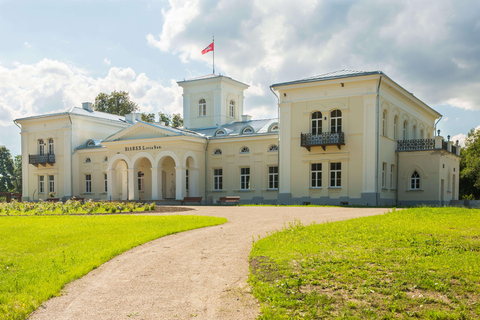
220,132
90,143
244,150
217,151
247,130
232,109
274,128
202,108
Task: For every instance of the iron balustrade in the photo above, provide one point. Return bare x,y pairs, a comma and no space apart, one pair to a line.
309,140
42,159
454,149
415,144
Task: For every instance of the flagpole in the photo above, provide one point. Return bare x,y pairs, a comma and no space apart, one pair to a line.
213,53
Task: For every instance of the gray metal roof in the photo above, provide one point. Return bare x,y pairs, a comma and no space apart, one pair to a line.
79,112
235,128
211,76
344,73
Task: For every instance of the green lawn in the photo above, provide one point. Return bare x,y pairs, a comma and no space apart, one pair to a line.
40,254
419,263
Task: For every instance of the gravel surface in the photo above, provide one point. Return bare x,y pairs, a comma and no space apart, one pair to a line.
197,274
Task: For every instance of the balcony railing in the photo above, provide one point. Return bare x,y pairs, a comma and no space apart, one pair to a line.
42,159
309,140
415,144
454,149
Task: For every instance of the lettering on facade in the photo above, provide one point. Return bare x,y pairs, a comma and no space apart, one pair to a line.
142,148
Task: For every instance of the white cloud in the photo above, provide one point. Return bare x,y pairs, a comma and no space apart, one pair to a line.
462,137
49,85
26,44
107,61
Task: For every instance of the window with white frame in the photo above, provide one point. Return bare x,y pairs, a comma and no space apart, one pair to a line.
247,130
273,147
51,149
405,124
244,150
186,180
384,175
274,128
414,132
415,181
51,183
395,120
105,183
220,132
88,160
202,108
141,181
244,178
41,147
392,170
316,175
88,183
273,178
217,179
336,121
335,174
316,122
384,123
232,109
217,151
41,184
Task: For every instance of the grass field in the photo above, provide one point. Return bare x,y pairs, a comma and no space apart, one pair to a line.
40,254
419,263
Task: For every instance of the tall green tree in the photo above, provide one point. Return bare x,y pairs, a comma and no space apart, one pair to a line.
177,120
117,102
164,117
470,166
148,117
6,170
17,173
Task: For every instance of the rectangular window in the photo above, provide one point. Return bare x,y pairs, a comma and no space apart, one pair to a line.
316,175
392,169
186,180
217,179
384,175
105,184
272,177
244,178
41,184
51,183
88,183
335,174
141,181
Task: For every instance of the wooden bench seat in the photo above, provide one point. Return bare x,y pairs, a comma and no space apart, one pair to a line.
229,199
192,199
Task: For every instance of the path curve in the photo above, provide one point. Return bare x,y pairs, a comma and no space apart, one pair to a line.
197,274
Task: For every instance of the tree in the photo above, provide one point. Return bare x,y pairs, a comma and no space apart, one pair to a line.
6,170
115,103
470,166
150,117
177,120
163,117
17,173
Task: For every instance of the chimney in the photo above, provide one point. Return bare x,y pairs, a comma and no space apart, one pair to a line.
246,117
133,117
87,106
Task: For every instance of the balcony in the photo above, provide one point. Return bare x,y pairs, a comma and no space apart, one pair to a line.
42,159
309,140
424,144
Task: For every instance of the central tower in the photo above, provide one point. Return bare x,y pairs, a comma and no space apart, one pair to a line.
211,101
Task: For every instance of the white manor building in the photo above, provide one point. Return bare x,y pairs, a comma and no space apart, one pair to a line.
346,137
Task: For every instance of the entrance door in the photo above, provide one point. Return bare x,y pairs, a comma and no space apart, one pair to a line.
164,185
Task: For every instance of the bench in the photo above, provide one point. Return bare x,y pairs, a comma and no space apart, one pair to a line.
192,199
229,199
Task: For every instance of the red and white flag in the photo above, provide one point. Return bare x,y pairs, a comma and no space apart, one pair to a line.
208,49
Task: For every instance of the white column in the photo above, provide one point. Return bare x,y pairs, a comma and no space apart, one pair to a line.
67,162
112,184
194,181
155,183
180,175
132,190
25,174
285,146
124,184
369,142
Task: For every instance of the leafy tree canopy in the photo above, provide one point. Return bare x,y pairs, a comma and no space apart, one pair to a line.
174,120
470,166
148,117
6,170
117,102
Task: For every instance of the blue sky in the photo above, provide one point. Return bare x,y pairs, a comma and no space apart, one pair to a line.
58,54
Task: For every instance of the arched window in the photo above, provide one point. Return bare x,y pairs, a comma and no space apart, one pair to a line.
405,124
415,181
414,132
217,151
141,181
244,150
274,128
202,108
395,120
51,149
105,159
220,132
247,130
316,122
384,123
41,147
422,134
88,160
232,109
90,143
273,147
336,121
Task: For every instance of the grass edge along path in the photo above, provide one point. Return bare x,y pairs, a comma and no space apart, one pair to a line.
39,255
419,263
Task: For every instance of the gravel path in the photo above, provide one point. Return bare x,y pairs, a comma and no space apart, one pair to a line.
197,274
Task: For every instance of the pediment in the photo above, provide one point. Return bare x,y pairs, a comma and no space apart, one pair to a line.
142,130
